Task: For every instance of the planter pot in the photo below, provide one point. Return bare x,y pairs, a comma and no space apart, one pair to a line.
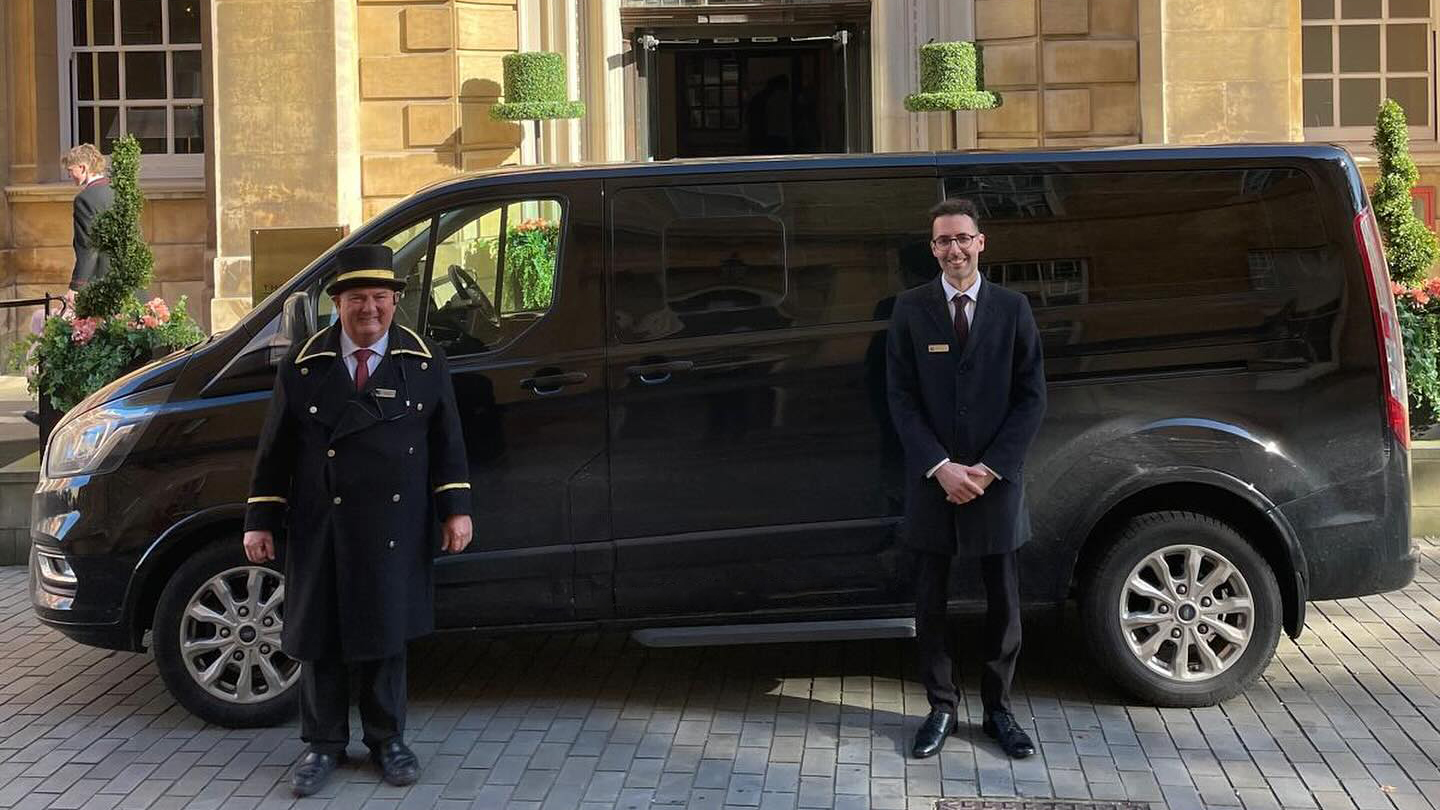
1425,487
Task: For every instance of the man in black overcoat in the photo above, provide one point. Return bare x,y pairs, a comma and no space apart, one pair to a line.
966,385
361,453
85,167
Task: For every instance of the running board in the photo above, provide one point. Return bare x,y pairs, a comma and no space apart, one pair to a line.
724,634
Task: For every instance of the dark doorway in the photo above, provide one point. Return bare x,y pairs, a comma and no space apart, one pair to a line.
758,99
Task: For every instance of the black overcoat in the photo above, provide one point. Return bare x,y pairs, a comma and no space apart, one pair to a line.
90,262
982,405
351,483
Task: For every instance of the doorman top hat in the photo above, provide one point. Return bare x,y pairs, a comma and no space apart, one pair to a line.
364,266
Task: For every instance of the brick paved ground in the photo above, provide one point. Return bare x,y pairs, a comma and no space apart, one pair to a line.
1347,718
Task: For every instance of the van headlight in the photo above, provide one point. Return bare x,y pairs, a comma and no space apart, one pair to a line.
98,440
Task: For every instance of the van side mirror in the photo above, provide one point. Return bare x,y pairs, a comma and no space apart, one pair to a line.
297,318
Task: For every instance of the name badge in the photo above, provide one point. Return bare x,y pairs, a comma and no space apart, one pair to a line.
385,393
937,348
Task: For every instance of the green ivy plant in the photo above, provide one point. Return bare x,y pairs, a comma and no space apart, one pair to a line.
107,331
530,251
1410,250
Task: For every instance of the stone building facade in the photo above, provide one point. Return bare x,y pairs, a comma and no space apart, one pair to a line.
283,113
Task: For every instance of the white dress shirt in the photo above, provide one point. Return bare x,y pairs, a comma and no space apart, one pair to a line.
348,347
972,296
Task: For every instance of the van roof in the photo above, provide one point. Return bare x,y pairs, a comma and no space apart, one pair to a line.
873,160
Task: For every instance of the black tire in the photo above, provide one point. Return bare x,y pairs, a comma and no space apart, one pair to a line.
1119,652
267,706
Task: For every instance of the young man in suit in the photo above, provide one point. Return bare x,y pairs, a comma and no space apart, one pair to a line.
966,387
85,167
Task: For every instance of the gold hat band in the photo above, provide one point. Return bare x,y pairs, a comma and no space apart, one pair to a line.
378,273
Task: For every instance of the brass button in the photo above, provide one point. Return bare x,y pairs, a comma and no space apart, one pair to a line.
304,371
412,451
424,365
392,544
419,406
395,497
337,500
330,453
313,409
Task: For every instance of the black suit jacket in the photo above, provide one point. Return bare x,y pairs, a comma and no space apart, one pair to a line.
352,484
982,405
90,262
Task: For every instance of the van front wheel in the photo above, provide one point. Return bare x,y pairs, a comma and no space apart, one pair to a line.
217,640
1181,611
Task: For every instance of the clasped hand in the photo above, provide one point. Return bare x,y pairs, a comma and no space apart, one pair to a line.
962,483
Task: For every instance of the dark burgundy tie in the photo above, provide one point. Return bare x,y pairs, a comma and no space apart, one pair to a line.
362,368
962,325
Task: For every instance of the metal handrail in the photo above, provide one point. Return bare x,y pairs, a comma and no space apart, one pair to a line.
34,302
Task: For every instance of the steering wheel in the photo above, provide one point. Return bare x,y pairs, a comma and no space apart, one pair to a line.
469,289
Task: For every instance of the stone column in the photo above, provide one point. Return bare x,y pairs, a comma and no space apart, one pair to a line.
31,72
284,150
1229,70
897,30
602,46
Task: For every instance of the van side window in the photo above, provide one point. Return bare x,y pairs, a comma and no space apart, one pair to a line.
1158,263
717,259
495,273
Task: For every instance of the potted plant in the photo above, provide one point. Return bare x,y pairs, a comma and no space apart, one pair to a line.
952,77
108,331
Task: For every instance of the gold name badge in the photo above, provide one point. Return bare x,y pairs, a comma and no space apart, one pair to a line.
385,393
936,348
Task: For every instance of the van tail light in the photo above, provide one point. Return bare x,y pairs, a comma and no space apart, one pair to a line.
1387,326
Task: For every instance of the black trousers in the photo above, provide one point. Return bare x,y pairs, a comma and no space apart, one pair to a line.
325,701
1001,642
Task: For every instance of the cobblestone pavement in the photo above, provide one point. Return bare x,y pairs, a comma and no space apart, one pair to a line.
1347,718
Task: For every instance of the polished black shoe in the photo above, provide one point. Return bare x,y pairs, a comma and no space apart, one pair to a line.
313,771
931,736
1002,726
398,765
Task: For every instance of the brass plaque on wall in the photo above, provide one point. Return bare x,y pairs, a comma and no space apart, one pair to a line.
277,254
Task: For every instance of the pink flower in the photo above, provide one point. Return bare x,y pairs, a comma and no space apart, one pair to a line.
158,308
1421,297
149,321
83,329
1396,289
1432,286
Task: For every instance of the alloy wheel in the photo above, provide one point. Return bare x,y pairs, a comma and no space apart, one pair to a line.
230,636
1186,613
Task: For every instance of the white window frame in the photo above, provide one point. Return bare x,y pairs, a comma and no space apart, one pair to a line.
1366,133
154,166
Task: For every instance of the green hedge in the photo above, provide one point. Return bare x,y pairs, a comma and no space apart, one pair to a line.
951,74
535,88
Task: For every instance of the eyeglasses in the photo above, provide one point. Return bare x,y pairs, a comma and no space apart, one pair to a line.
961,239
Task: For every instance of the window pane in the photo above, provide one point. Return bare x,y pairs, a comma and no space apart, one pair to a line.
145,74
79,22
85,125
1419,9
1317,9
1359,102
532,243
140,23
186,82
189,130
1359,49
1316,49
184,21
93,22
85,78
109,74
147,124
1405,48
109,128
1413,95
1359,9
1319,103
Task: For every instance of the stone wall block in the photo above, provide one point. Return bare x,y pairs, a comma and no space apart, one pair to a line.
1011,64
1196,113
47,266
479,159
477,127
400,175
1004,19
1065,16
1212,56
1114,18
427,28
1196,15
42,224
481,75
1084,62
177,221
378,30
1019,114
1114,109
408,76
382,126
179,262
429,124
482,28
1067,110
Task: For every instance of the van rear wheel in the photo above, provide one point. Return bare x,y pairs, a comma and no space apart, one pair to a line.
1181,610
217,640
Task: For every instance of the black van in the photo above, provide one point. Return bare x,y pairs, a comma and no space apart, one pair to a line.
671,379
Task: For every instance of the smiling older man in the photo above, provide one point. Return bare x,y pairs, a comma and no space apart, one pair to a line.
361,449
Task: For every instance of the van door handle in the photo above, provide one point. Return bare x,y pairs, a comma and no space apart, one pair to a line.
657,373
546,384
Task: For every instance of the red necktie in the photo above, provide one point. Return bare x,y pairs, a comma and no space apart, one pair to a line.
962,325
362,368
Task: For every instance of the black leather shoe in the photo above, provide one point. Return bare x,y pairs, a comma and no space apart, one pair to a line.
398,765
313,771
931,736
1002,726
